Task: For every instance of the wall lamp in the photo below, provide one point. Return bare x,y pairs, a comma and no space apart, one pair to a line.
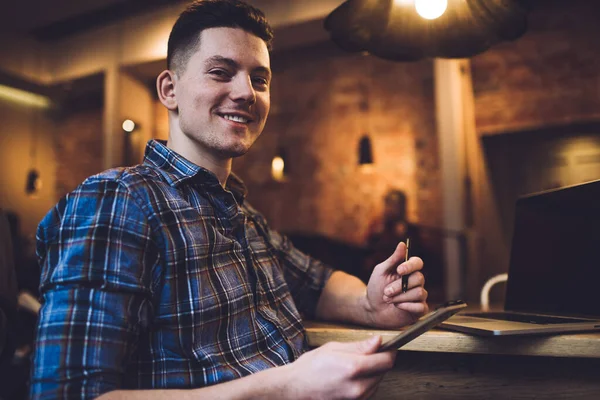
129,125
365,151
33,183
279,167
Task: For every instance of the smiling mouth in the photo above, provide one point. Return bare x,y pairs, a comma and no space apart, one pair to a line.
236,118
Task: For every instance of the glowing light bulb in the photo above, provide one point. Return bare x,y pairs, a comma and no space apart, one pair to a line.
128,125
431,9
277,168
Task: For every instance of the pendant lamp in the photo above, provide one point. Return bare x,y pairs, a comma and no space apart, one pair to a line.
410,30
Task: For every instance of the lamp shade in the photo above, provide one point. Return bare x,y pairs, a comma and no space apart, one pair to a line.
365,152
33,183
393,30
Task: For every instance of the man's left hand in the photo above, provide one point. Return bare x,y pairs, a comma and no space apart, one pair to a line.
386,305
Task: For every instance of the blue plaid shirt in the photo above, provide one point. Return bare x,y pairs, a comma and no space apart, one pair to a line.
156,277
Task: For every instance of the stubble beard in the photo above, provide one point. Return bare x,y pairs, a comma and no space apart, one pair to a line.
237,149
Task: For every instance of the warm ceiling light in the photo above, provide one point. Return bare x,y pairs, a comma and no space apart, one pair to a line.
431,9
23,97
393,30
128,125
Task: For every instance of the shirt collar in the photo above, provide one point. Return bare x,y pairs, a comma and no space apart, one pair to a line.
177,170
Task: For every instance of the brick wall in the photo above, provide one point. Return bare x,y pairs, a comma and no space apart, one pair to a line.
78,148
549,76
323,102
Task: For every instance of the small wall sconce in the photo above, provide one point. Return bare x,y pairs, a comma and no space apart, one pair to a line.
33,183
279,166
365,153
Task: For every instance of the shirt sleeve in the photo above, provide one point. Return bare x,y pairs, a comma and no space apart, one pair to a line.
305,276
97,257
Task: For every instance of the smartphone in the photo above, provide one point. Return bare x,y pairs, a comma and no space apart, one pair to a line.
424,324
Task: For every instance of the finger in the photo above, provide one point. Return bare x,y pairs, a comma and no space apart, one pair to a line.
415,295
367,346
396,258
416,279
408,267
416,309
365,366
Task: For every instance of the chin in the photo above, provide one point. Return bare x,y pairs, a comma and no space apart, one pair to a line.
232,154
239,147
234,151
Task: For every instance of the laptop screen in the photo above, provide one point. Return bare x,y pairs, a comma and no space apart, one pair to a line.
555,255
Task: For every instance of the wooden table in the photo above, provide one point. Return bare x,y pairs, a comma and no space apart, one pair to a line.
451,365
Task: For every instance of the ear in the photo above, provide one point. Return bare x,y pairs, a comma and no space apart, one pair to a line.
165,87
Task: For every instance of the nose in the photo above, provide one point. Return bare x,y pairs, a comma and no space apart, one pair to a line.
242,90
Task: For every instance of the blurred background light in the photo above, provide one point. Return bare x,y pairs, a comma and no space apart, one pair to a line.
128,125
23,97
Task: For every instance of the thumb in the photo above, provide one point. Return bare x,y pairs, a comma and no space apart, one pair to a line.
393,261
367,346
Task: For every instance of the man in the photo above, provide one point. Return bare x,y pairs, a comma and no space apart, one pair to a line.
385,231
162,277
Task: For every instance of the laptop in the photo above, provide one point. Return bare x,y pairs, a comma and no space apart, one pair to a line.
554,273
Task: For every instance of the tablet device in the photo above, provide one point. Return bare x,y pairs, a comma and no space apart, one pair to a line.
424,324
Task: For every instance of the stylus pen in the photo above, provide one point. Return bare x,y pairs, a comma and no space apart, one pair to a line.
404,278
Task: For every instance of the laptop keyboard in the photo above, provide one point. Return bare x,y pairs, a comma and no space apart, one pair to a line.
532,319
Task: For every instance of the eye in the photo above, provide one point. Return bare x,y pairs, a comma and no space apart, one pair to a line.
220,74
260,81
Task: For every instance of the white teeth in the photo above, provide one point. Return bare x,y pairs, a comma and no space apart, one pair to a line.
235,118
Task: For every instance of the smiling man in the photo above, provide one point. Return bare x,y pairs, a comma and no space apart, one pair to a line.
218,98
161,281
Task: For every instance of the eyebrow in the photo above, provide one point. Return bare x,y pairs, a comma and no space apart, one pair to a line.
234,64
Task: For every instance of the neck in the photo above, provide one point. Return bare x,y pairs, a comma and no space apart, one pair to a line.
193,152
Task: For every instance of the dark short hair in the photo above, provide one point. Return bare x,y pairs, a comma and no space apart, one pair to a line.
395,196
205,14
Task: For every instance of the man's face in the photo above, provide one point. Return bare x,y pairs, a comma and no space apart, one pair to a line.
395,207
223,96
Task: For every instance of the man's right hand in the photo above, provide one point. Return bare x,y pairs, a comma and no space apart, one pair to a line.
339,371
